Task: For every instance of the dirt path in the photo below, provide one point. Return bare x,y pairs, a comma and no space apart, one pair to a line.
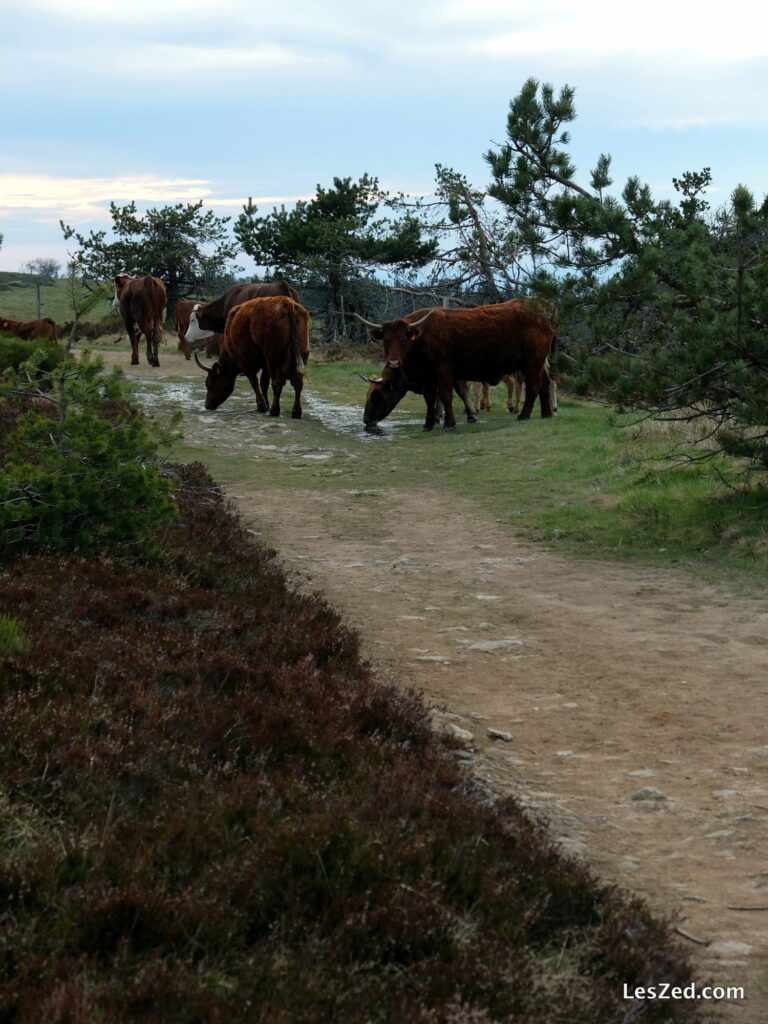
610,680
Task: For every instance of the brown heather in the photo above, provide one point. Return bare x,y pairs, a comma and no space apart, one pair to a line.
211,812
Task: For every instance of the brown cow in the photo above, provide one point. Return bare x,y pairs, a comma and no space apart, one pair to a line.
142,305
210,317
29,329
183,311
433,351
271,333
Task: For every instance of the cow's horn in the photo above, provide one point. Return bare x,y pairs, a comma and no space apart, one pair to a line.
421,320
368,323
368,379
202,366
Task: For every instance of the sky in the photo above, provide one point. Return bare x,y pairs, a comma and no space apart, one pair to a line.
164,101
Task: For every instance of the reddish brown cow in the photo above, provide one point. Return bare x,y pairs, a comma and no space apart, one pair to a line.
142,305
433,351
183,312
29,329
269,334
210,317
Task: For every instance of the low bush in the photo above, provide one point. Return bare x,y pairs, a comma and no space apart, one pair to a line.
80,469
15,351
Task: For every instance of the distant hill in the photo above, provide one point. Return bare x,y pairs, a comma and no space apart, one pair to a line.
18,293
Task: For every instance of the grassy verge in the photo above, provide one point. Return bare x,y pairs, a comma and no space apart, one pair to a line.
211,811
585,481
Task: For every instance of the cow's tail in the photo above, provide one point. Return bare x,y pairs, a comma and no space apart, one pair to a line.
296,341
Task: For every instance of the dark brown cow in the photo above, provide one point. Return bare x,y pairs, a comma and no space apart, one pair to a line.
29,329
433,351
269,334
142,304
210,317
183,312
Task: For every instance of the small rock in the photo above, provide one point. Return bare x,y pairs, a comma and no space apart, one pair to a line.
495,645
499,734
457,732
728,947
649,793
641,773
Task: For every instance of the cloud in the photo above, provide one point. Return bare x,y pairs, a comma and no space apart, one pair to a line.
603,30
85,199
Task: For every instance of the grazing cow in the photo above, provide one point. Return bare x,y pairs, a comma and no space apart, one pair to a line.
142,305
481,392
209,318
434,351
183,312
269,334
30,329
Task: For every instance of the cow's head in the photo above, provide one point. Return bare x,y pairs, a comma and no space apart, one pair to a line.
396,336
195,332
219,384
4,325
120,282
383,395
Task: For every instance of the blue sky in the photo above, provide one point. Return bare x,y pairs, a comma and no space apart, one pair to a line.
164,100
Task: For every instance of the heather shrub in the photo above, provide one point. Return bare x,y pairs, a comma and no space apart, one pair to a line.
80,469
212,812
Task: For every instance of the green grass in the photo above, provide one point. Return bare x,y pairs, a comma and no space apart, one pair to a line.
18,296
577,482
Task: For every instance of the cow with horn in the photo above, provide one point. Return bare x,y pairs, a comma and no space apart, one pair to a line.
435,351
269,334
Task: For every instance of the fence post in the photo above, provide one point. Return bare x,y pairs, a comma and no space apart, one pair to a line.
37,301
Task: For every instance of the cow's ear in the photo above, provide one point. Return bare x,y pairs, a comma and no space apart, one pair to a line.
412,333
376,333
216,368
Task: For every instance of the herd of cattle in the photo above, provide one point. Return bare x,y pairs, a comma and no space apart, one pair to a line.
262,332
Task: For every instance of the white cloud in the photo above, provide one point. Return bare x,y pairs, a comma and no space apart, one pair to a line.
693,32
83,199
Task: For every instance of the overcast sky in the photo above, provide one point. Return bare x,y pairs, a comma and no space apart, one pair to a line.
168,100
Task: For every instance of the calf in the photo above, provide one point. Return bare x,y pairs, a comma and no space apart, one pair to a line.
31,329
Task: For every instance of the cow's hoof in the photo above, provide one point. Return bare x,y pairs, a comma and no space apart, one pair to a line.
262,408
296,414
449,426
134,362
471,419
522,419
428,426
274,412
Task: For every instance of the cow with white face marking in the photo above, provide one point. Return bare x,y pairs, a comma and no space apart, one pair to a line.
208,318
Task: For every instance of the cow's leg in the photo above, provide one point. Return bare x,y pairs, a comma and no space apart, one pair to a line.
156,345
133,337
430,397
265,388
277,387
462,390
445,390
514,382
532,385
553,395
253,380
486,399
477,394
298,384
545,394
